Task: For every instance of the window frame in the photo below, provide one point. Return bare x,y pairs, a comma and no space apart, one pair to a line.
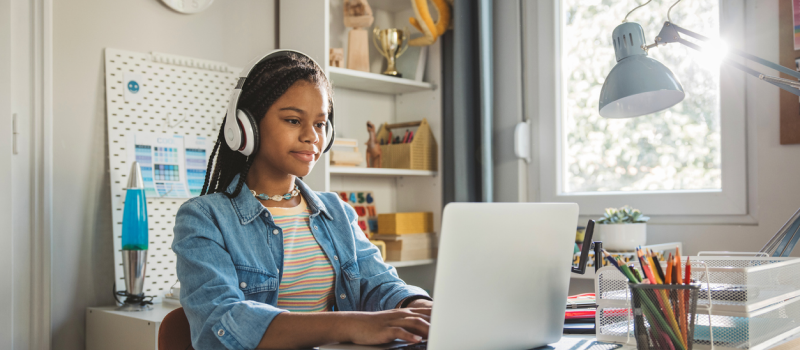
543,31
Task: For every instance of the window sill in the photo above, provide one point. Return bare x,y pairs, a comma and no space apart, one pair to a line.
737,220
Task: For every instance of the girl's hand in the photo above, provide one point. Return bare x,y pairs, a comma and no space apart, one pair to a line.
420,304
371,328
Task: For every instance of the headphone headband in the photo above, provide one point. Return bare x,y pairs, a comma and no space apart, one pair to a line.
241,133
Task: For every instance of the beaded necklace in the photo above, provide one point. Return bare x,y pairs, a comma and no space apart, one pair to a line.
277,197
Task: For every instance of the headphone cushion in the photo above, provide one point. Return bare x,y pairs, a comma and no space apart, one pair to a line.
250,135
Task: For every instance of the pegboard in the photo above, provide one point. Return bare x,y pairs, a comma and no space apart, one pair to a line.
178,95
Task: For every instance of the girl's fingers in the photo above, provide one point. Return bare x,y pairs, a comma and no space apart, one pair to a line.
404,335
416,325
424,311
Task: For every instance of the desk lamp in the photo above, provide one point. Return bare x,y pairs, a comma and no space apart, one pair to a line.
639,85
135,241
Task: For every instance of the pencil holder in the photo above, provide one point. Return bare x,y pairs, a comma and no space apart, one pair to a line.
418,154
664,315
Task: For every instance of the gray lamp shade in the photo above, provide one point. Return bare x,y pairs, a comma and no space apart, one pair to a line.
637,85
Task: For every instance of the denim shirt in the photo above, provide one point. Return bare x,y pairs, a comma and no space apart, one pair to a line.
230,256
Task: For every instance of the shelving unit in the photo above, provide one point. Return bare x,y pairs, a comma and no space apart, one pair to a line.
315,26
373,82
359,171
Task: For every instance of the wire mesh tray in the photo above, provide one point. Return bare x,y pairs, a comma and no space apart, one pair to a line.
738,284
754,331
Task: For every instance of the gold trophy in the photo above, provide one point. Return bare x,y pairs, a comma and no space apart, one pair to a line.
393,42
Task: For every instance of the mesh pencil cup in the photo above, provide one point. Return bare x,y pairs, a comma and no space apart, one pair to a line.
663,315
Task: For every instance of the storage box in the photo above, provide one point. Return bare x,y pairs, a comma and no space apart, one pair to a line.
403,223
754,302
419,154
418,246
381,245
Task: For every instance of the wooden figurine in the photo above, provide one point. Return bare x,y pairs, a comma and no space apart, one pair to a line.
357,15
373,148
337,58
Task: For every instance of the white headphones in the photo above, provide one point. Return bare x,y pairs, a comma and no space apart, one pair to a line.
241,132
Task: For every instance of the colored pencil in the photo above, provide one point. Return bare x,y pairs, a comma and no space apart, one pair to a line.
688,277
658,266
610,259
668,279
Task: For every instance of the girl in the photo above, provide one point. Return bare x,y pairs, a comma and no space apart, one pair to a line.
261,255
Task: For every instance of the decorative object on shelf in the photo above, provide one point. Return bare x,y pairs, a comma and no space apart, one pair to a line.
187,7
405,223
391,44
424,22
622,229
364,204
336,58
135,241
381,245
373,148
415,246
357,15
344,152
415,150
412,64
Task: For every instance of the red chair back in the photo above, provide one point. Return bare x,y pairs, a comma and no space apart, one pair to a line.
174,332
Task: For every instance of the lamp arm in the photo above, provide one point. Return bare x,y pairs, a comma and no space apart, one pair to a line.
670,34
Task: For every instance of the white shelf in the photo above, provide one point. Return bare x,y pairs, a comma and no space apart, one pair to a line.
411,262
359,171
372,82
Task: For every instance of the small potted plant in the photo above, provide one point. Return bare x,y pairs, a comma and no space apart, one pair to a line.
622,229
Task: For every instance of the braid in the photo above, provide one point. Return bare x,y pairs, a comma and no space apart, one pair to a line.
211,162
265,84
242,178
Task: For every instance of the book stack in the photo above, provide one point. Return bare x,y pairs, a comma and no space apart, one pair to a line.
344,152
408,236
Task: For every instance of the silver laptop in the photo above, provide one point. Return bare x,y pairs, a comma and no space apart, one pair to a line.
502,276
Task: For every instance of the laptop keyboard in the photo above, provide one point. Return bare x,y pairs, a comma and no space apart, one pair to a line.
423,345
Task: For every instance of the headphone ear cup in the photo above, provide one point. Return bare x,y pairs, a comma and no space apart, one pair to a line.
331,133
250,136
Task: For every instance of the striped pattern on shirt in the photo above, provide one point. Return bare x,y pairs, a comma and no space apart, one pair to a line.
308,276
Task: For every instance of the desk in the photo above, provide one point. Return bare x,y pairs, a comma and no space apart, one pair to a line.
107,328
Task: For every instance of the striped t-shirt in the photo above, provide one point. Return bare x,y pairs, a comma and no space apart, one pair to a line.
307,284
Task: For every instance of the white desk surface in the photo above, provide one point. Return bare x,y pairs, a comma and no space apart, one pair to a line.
568,341
157,314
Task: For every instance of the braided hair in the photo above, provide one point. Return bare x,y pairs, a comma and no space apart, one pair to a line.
267,82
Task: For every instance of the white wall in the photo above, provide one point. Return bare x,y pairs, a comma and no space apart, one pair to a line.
232,31
6,252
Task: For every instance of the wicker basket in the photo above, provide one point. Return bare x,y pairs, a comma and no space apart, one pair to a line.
419,154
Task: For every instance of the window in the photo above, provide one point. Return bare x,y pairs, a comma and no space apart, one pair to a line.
676,149
688,159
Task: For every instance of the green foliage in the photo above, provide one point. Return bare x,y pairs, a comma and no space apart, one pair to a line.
676,149
624,215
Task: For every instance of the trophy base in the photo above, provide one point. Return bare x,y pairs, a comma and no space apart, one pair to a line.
395,74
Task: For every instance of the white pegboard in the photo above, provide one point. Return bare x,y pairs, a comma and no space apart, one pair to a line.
178,95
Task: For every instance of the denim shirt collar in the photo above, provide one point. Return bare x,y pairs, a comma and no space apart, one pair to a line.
248,207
